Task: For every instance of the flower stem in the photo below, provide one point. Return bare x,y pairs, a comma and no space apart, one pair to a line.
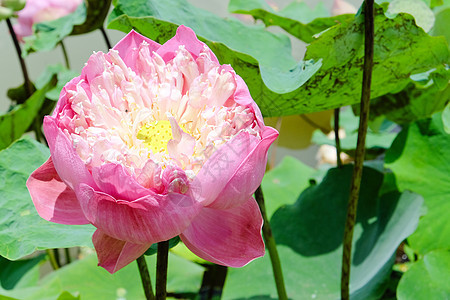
336,137
52,259
271,247
66,57
28,86
145,278
360,148
105,36
161,270
67,255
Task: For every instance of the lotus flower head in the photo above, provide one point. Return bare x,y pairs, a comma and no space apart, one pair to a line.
37,11
154,141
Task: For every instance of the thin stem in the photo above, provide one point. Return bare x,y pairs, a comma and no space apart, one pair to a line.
145,278
52,259
161,270
28,86
336,137
360,148
271,247
105,37
66,57
57,258
67,255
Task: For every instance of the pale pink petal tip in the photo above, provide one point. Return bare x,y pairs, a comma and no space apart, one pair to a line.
341,7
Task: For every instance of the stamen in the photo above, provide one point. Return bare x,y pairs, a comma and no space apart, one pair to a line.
156,135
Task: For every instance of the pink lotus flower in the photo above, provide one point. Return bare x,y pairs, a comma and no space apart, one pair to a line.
155,141
37,11
341,7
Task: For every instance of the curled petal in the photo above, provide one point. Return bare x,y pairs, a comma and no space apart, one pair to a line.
150,176
220,167
67,163
150,219
242,97
247,176
233,172
53,199
114,180
229,237
182,144
115,254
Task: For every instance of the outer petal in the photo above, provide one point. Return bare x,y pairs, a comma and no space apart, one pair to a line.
129,45
229,237
53,199
115,254
232,174
221,166
242,96
247,176
150,219
184,36
67,163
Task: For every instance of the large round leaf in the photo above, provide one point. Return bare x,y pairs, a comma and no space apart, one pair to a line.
297,18
278,84
22,230
427,279
419,158
309,236
283,184
85,278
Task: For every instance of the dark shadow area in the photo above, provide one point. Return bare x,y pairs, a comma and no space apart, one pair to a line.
314,225
12,271
212,282
397,147
372,231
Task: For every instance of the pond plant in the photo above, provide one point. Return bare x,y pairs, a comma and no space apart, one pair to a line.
158,152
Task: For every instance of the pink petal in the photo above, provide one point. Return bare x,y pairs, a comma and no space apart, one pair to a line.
67,163
150,176
232,174
63,102
247,176
115,254
229,237
95,66
114,180
129,45
341,7
184,36
221,166
182,143
242,97
150,219
53,199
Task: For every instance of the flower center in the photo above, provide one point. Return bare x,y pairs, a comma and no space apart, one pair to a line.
156,135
